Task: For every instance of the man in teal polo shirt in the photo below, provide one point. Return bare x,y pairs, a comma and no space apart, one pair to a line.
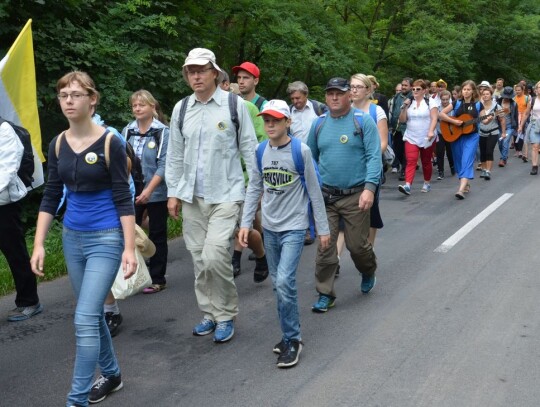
345,143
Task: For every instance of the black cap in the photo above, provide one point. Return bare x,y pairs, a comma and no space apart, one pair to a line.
339,84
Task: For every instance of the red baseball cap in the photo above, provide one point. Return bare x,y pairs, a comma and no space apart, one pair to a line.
248,67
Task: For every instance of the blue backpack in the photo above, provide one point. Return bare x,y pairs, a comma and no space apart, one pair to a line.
296,147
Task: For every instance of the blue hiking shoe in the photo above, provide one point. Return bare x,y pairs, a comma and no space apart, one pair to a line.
404,189
368,283
324,304
224,331
205,327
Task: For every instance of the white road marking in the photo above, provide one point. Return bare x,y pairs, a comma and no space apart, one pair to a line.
464,231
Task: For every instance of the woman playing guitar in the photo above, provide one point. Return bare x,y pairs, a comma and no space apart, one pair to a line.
464,148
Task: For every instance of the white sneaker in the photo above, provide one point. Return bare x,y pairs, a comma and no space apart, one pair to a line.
426,187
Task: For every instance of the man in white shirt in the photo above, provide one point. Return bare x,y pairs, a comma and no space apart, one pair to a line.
205,179
303,110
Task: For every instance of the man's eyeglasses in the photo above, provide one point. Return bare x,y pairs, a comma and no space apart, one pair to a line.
416,89
198,71
358,87
74,96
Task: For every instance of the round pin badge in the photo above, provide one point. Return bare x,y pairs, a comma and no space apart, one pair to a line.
90,158
152,144
221,126
343,139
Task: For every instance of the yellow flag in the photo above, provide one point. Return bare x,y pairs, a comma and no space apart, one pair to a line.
18,96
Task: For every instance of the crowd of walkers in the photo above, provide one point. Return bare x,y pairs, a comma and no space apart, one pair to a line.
260,173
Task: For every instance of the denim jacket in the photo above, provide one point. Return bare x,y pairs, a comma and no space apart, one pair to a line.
223,177
153,155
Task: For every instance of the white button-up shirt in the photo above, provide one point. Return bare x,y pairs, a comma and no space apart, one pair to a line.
206,151
301,121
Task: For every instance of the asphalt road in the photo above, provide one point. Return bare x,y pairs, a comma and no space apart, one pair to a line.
458,328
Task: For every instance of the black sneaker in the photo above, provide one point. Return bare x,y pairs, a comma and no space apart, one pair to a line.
402,175
236,267
104,386
290,357
280,348
261,270
337,270
113,322
440,176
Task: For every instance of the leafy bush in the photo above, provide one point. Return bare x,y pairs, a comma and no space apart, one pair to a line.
54,256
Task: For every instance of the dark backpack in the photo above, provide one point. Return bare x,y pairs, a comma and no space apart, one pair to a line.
135,169
233,109
318,107
136,165
26,169
259,102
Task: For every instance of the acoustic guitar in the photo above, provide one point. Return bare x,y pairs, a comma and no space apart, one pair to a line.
452,132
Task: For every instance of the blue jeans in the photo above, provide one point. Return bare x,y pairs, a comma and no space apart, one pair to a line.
504,144
283,251
92,260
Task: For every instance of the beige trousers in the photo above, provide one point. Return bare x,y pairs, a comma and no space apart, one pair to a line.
208,229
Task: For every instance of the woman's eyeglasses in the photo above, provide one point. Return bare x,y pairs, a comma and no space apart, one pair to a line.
416,89
74,96
358,87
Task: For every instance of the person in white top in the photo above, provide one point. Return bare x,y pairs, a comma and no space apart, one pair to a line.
360,96
12,241
533,129
421,117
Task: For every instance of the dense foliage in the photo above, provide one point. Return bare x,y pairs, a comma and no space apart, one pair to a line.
132,44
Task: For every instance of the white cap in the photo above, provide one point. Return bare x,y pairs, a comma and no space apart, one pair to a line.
276,108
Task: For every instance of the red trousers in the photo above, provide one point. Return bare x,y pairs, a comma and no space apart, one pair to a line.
411,156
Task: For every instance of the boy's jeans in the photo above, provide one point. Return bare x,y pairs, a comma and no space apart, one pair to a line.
283,251
92,259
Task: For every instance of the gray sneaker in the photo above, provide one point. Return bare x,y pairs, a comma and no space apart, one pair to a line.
23,313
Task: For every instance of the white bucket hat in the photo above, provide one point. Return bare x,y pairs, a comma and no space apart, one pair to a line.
200,56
